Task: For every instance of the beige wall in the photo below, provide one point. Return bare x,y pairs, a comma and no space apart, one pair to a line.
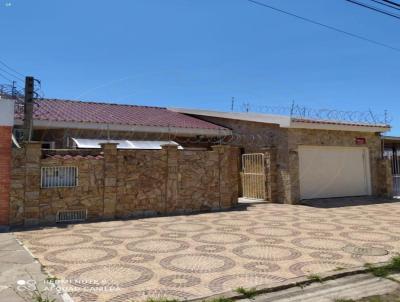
124,183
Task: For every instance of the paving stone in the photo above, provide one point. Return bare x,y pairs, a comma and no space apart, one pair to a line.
192,256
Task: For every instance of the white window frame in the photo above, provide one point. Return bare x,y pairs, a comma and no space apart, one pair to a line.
44,170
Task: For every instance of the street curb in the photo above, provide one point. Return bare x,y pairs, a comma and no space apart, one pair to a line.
63,294
290,283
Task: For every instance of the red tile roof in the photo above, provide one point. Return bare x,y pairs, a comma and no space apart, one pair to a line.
57,110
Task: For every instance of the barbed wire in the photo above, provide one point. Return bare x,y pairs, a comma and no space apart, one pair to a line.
10,91
303,112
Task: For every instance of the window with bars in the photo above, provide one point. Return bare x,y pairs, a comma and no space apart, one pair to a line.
59,177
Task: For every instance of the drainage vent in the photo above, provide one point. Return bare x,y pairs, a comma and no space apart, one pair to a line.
71,216
365,251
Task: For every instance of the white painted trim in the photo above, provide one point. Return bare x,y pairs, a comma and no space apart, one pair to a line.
305,125
41,124
281,120
6,112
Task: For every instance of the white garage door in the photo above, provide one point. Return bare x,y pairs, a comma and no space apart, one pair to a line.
334,172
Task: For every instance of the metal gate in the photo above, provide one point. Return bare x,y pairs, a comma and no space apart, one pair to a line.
394,156
396,174
253,175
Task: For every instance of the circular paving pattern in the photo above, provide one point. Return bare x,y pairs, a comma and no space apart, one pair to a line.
361,228
319,234
262,267
268,241
379,245
155,294
197,263
128,233
266,252
137,258
157,246
315,215
369,236
80,255
220,238
83,296
186,227
55,269
173,235
144,225
228,282
326,255
210,248
234,222
275,219
365,251
320,243
107,224
227,229
119,275
231,249
275,223
317,226
356,221
61,240
180,281
108,242
273,232
84,231
312,267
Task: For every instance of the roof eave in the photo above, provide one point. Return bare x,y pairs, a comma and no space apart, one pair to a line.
45,124
339,127
281,120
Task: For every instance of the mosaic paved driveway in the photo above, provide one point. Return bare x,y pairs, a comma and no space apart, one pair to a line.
191,256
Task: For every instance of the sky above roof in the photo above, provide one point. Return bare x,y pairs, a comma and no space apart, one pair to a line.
198,54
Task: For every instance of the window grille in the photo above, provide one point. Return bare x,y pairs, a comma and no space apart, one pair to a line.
71,215
59,177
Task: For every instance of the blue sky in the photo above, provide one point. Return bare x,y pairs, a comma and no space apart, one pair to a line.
200,53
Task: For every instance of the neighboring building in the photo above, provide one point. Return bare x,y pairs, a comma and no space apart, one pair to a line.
6,124
60,123
392,151
314,158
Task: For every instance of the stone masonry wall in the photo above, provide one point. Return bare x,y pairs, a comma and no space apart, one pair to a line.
124,183
282,165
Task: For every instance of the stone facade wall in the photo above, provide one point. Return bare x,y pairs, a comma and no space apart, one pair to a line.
385,178
124,183
282,169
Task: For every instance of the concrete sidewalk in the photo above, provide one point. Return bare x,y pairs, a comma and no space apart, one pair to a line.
351,287
17,270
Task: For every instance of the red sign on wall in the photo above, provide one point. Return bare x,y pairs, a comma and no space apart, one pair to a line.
361,140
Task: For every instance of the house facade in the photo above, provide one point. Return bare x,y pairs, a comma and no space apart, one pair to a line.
313,159
106,161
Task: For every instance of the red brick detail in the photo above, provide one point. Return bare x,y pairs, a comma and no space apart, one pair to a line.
5,174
